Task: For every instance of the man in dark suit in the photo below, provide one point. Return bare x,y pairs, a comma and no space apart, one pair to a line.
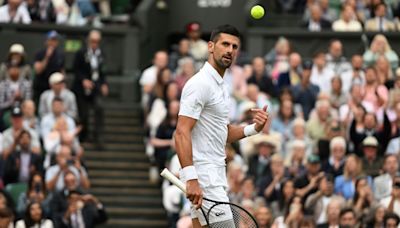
22,162
90,83
316,23
83,211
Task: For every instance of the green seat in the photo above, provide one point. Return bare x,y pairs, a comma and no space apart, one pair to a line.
16,190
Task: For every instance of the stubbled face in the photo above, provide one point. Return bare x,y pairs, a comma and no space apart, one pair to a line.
224,50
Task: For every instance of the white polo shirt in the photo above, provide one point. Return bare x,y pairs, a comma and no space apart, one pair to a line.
205,98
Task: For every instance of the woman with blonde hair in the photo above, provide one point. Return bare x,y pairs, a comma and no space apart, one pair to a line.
352,171
380,46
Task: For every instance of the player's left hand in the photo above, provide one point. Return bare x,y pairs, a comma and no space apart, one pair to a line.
260,117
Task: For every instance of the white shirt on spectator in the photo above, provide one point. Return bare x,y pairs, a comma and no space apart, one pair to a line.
322,78
66,14
396,205
66,95
8,138
394,146
342,26
347,79
149,76
48,121
53,170
21,16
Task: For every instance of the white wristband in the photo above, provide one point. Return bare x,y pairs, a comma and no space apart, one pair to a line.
250,130
188,173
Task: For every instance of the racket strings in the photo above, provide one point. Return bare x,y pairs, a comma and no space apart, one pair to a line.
240,218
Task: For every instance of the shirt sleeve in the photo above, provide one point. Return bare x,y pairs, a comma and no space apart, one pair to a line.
193,100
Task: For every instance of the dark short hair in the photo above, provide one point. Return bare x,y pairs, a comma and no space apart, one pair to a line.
228,29
391,215
347,210
59,99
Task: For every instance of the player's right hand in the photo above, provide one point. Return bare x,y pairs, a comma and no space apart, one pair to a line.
194,193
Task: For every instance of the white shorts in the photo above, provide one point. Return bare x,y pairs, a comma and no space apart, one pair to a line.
219,213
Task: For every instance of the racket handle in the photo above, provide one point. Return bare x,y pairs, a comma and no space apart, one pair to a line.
173,179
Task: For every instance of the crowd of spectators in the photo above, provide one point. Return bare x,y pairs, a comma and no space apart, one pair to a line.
44,181
63,12
329,154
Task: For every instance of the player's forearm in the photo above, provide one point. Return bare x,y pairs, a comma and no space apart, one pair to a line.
235,133
183,144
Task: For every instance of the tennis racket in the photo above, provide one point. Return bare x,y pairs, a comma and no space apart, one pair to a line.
240,217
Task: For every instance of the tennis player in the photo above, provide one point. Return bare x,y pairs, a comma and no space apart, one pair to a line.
203,128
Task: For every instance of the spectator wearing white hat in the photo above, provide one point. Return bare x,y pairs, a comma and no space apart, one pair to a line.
58,89
15,12
16,55
372,163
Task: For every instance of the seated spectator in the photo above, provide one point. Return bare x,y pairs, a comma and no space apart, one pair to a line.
149,76
184,72
379,23
65,163
6,218
378,216
392,202
281,205
30,119
372,162
34,216
13,90
10,135
348,218
47,61
299,132
317,126
163,77
354,75
375,93
256,96
317,203
264,217
69,13
316,22
41,11
391,220
347,22
380,46
384,182
307,183
84,210
6,201
335,164
344,184
58,89
278,58
283,121
335,60
363,201
270,185
181,52
292,76
384,72
198,48
332,213
14,11
337,96
294,217
22,162
321,74
57,110
261,78
295,158
355,109
36,192
16,56
235,177
306,92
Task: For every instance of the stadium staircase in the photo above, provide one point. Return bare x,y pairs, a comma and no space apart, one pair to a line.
119,171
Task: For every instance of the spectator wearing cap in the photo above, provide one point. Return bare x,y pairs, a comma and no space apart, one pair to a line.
292,76
306,92
47,61
355,75
259,164
321,74
14,11
316,22
380,23
198,48
392,201
22,162
57,111
13,91
317,203
58,89
352,171
16,56
10,135
347,22
307,183
335,60
335,163
90,84
384,182
261,79
372,162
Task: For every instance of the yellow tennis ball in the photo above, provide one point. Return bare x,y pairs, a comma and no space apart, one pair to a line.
257,12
